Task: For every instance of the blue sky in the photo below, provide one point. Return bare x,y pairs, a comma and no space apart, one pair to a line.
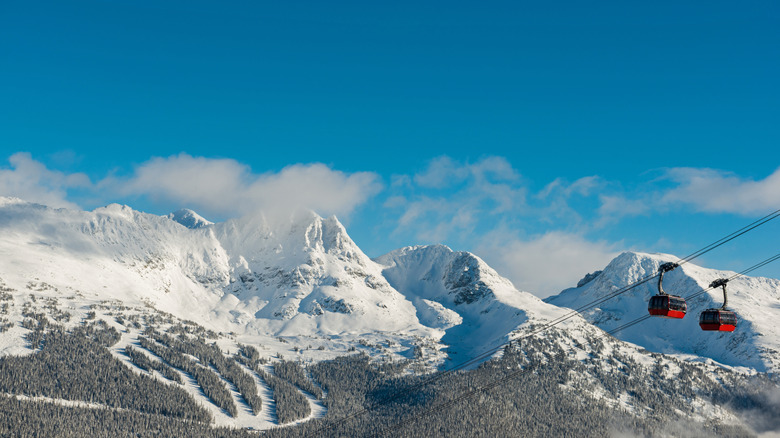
544,136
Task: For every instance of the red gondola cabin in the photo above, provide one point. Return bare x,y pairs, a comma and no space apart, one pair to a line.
718,320
667,306
663,304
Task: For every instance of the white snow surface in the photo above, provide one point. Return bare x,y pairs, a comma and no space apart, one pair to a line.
754,344
301,278
242,275
460,294
304,279
302,289
189,218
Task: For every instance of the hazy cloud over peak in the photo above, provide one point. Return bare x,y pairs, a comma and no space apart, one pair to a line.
32,181
543,239
548,263
227,187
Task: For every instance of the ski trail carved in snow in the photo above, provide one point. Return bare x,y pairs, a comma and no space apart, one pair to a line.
266,419
64,402
268,413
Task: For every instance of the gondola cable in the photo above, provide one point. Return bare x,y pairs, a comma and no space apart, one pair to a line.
522,371
747,228
684,260
701,292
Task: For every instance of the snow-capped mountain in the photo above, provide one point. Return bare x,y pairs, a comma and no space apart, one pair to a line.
460,294
298,276
299,286
189,218
302,275
306,275
755,343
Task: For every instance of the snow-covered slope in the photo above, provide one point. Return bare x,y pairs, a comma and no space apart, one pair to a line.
755,343
113,252
300,276
306,275
189,218
299,287
460,294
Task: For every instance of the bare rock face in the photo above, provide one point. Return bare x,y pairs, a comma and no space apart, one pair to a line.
463,279
588,278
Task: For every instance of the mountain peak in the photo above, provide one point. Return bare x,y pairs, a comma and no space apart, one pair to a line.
754,343
418,251
115,209
189,219
436,271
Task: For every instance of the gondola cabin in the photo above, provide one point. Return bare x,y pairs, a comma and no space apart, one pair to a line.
718,320
663,304
667,306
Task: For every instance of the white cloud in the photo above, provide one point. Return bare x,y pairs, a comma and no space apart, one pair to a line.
227,187
222,187
554,202
546,264
441,172
445,172
496,168
436,220
217,185
451,198
717,191
32,181
317,187
583,187
615,207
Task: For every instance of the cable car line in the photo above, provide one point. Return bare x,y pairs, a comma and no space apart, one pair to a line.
522,371
750,269
701,292
755,224
436,376
730,237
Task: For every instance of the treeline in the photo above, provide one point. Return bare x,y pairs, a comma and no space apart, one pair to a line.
211,385
77,366
291,405
295,374
143,362
534,391
210,354
33,419
6,301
